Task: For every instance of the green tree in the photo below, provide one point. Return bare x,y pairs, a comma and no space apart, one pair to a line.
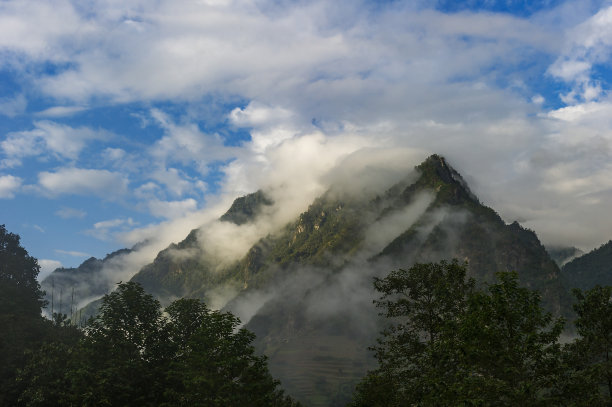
588,375
510,349
132,354
423,305
20,311
214,363
450,344
118,362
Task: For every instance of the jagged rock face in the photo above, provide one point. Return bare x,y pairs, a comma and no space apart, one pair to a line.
593,268
306,290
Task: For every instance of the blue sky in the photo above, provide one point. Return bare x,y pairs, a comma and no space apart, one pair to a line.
136,120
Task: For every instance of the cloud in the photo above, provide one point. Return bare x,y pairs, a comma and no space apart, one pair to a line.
11,107
70,213
9,185
316,82
47,266
113,223
78,181
270,126
185,143
60,111
172,209
72,253
108,230
587,45
60,140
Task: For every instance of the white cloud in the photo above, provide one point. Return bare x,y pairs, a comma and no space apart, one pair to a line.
60,111
320,81
270,125
47,266
72,253
78,181
185,143
60,140
70,213
9,185
108,230
11,107
113,223
172,209
587,45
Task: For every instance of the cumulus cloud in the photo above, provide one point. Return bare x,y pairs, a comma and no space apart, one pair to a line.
79,181
588,44
49,137
9,185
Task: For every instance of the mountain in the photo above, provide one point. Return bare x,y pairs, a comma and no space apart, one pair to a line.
68,289
305,289
590,269
563,255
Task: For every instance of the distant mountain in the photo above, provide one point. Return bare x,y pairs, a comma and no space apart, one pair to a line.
562,255
68,289
590,269
306,289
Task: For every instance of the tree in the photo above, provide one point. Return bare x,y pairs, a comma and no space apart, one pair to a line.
214,363
132,354
511,354
20,311
588,378
119,362
450,344
423,305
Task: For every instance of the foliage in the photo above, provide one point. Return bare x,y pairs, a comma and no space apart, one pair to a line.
20,303
132,354
450,344
588,378
214,363
509,344
424,304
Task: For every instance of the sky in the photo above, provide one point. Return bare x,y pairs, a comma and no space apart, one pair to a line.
130,121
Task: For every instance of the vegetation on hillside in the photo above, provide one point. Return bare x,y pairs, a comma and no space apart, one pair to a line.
448,343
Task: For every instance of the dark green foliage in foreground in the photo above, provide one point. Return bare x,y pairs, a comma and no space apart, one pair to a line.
21,325
131,354
449,344
588,376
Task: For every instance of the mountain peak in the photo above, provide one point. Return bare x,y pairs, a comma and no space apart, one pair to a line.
439,175
245,208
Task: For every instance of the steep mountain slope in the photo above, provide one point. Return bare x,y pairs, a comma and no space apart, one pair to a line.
70,288
593,268
306,289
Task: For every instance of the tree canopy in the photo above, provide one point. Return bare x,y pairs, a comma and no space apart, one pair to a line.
450,344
